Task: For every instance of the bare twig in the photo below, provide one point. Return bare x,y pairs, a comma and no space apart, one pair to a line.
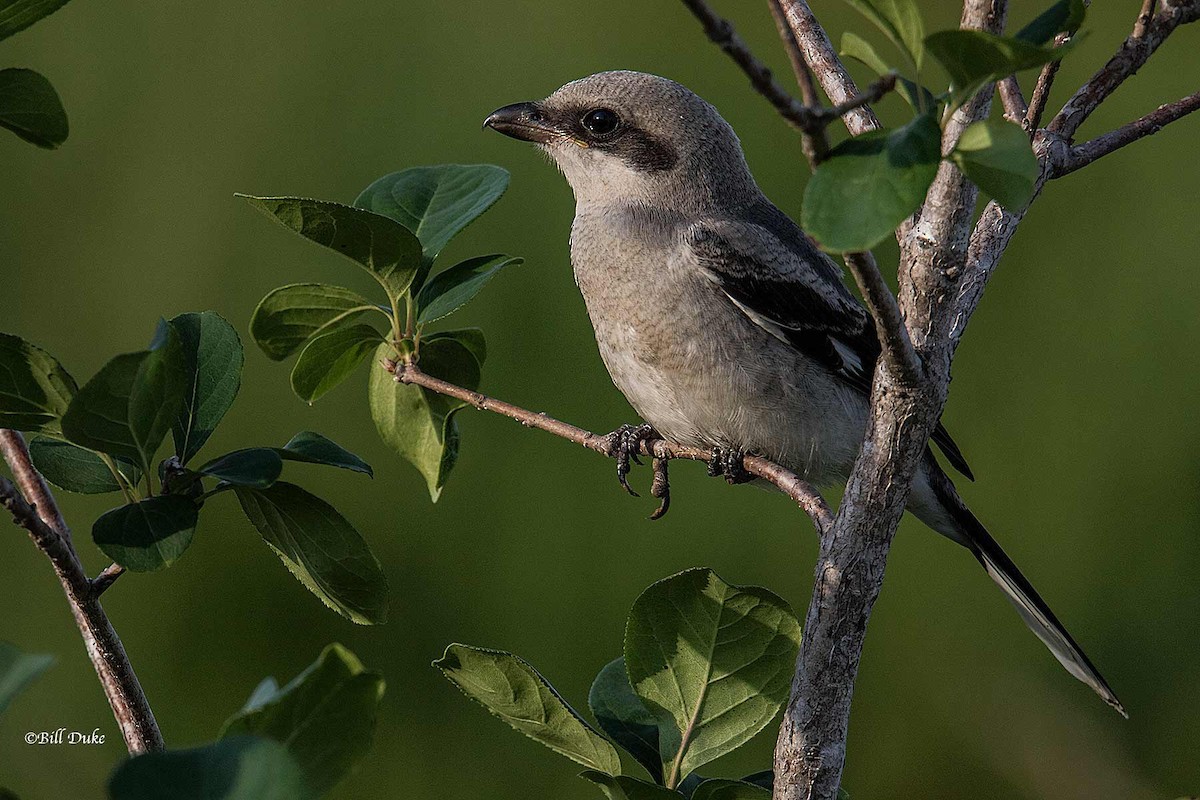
1129,58
823,60
893,336
34,509
804,76
1015,107
795,487
1083,154
107,577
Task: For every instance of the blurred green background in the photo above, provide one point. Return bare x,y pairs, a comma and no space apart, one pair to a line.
1074,398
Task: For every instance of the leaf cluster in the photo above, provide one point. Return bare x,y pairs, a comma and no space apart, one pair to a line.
291,743
105,437
870,184
706,666
395,230
29,106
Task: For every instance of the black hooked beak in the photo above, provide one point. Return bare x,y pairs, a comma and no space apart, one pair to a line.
524,121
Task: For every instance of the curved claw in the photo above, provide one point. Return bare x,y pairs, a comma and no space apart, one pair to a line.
624,444
661,488
729,463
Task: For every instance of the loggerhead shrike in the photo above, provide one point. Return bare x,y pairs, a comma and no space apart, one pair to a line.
717,317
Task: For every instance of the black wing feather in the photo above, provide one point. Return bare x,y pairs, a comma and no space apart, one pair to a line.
779,278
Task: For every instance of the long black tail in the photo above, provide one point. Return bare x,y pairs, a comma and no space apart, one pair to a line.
1020,592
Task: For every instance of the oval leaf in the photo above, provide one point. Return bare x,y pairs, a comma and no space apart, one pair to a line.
321,548
974,58
18,670
1065,15
291,315
17,15
621,787
382,247
212,362
30,108
255,466
999,159
313,448
712,662
515,692
325,716
35,391
900,21
435,202
331,358
417,424
451,289
622,716
148,535
77,470
870,184
242,768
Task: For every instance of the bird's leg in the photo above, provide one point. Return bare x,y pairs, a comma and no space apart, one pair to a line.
624,444
728,462
661,488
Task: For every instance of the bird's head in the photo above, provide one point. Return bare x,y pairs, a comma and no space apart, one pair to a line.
628,137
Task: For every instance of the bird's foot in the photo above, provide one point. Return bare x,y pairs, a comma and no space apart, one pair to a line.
625,444
729,463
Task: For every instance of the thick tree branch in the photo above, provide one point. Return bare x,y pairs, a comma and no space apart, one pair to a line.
1083,154
811,749
34,509
1129,58
799,490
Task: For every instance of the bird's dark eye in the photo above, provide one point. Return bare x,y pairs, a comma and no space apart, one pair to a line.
601,121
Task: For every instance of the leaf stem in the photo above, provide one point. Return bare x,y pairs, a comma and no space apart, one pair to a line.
126,488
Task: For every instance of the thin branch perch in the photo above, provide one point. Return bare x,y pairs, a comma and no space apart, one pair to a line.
800,491
33,508
1083,154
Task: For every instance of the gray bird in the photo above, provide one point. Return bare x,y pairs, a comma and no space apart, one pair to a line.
717,317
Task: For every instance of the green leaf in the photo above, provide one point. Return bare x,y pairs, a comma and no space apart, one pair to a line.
30,108
622,787
870,184
900,21
128,407
258,467
325,716
313,448
321,548
514,691
77,470
242,768
622,716
148,535
330,358
974,58
291,315
1065,15
17,15
35,390
451,289
858,48
18,670
212,359
436,202
417,424
380,245
998,157
712,662
470,338
723,789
